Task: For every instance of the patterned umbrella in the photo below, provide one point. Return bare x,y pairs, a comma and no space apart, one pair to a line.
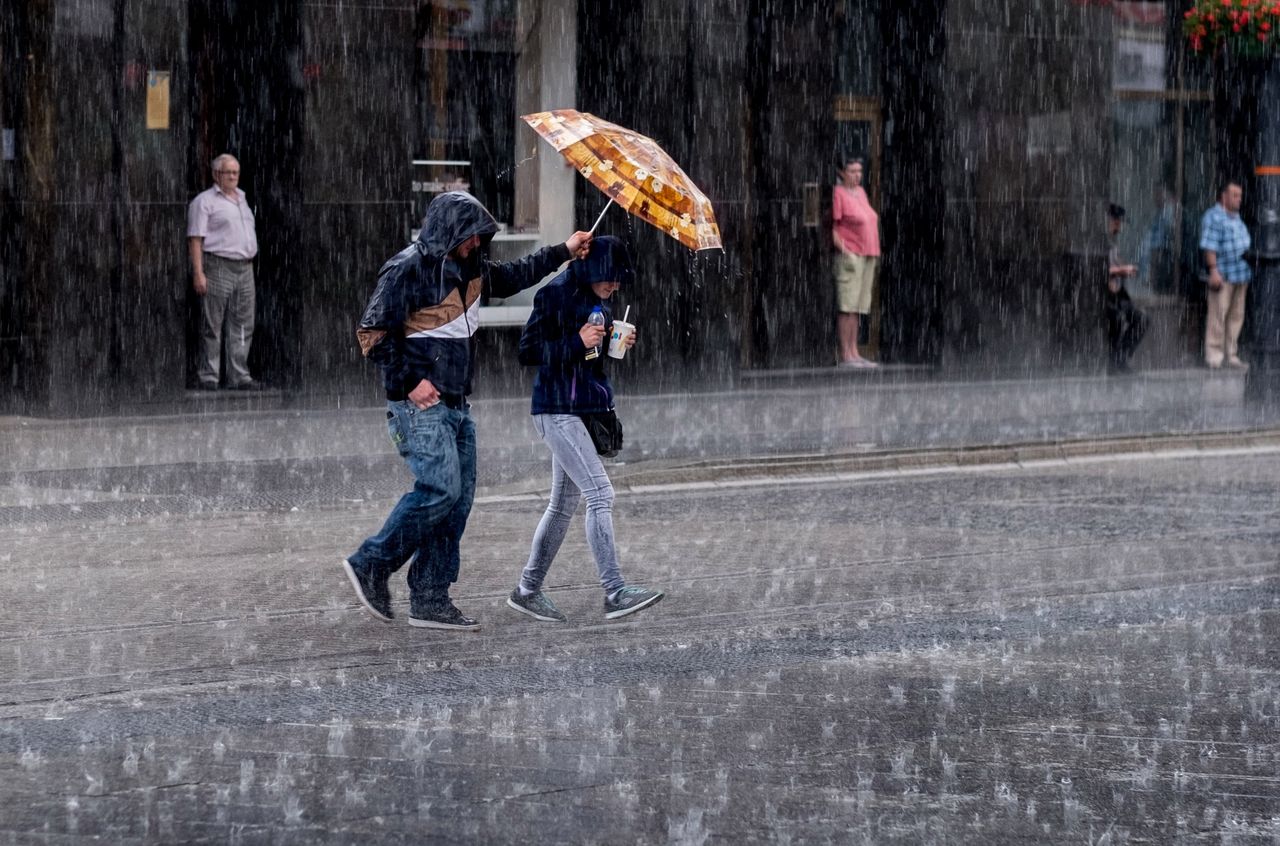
634,172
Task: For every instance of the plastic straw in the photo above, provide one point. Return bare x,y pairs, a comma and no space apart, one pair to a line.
625,313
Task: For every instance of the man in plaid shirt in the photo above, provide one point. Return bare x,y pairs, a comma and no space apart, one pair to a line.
1224,239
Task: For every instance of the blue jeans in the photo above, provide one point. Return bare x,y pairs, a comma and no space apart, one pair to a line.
576,473
439,445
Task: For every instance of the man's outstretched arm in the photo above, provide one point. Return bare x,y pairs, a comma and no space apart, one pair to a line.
511,277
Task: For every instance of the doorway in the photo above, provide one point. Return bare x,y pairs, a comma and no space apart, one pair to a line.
858,121
249,102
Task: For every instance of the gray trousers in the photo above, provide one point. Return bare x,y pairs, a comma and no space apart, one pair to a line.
226,312
576,473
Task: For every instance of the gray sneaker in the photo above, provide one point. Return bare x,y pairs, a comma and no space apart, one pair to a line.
537,605
629,600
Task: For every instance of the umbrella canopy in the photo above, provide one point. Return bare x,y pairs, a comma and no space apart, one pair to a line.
633,171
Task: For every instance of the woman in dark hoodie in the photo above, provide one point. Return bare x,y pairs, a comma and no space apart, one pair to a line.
571,381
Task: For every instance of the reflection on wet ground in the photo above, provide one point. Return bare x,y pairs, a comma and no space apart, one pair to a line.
1086,654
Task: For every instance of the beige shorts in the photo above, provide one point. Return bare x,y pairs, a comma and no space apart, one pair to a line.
855,277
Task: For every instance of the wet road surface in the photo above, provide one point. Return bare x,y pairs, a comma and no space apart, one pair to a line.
1076,654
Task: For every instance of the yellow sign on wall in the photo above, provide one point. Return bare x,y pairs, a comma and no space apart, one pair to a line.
158,99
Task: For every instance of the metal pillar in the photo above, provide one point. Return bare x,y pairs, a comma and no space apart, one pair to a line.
1263,382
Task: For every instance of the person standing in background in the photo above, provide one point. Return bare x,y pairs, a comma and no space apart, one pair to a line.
1126,324
855,230
1156,260
222,241
1224,239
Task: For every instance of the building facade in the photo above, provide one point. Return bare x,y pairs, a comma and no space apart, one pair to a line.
996,133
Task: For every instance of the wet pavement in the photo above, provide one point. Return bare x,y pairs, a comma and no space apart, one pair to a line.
795,412
271,458
1074,653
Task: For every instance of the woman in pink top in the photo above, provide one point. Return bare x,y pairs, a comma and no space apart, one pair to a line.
855,229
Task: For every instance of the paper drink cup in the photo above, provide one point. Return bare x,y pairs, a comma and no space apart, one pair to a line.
617,340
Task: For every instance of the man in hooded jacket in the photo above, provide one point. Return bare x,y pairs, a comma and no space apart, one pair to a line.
418,328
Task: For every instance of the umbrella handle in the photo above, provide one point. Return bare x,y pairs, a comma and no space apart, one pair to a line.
601,217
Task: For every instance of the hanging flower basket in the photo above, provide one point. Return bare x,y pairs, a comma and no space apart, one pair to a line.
1244,28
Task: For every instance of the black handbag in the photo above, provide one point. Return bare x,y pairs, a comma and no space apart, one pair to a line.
605,430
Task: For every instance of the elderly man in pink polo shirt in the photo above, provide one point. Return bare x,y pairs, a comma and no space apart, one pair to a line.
222,243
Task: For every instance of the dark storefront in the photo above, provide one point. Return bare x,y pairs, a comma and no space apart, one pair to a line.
995,133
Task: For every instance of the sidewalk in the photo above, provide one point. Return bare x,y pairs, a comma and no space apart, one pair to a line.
799,412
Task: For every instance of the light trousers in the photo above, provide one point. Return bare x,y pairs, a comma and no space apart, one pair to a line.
226,312
576,473
1223,323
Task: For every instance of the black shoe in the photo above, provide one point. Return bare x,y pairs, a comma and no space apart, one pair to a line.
207,386
375,598
537,605
1119,368
445,616
629,600
251,385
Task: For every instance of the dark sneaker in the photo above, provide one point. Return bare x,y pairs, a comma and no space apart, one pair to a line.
537,605
251,385
629,600
375,598
446,616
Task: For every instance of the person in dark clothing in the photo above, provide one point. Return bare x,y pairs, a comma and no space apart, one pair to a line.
418,328
1126,324
559,340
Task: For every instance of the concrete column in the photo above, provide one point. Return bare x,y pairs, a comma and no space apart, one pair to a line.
558,34
528,84
546,78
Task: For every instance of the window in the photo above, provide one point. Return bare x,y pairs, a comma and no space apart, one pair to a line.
1162,155
479,65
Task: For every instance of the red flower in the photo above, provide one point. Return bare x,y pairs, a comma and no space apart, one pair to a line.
1205,23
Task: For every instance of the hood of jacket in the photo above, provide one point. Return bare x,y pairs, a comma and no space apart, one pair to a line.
452,218
567,382
608,261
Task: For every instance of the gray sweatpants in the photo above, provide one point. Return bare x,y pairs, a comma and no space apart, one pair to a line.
226,312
